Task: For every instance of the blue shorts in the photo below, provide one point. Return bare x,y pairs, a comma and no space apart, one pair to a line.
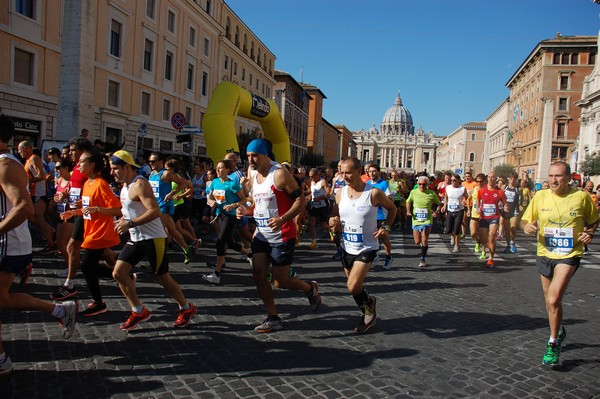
167,210
15,263
422,227
281,254
485,223
241,222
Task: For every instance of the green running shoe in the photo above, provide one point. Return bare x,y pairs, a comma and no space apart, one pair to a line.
476,250
483,256
552,356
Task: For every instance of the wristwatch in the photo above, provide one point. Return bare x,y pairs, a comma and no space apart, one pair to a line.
130,224
386,227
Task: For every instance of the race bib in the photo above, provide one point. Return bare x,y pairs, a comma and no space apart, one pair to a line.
318,204
352,235
219,196
74,194
85,202
421,214
558,241
154,184
510,196
61,207
489,210
453,205
261,218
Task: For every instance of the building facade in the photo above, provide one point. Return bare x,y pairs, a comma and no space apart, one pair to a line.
544,121
462,150
397,145
498,142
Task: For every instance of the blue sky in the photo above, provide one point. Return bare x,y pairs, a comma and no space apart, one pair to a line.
450,60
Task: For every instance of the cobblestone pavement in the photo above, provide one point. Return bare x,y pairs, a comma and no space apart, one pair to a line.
452,330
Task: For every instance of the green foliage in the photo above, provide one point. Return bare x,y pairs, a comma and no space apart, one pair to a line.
312,160
504,170
591,166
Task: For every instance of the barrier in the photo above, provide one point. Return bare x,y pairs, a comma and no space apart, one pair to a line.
230,101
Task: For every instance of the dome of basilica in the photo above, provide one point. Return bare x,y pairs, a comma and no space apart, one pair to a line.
397,118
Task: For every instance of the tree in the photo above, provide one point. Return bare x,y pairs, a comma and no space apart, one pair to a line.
504,170
312,160
591,165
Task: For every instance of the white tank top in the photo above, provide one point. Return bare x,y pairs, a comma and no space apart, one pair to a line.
317,190
455,198
18,240
132,209
199,187
359,222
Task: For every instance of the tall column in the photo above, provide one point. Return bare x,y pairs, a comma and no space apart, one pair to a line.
76,80
545,148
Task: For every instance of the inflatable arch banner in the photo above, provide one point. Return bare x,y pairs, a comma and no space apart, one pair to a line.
229,101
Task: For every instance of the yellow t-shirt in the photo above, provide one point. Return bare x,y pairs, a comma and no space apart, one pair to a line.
560,219
472,201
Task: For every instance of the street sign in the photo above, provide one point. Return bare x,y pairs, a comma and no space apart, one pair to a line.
192,130
183,138
528,171
459,171
178,120
143,129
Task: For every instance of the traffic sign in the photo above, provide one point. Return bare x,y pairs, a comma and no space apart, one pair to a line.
459,171
192,130
178,120
143,129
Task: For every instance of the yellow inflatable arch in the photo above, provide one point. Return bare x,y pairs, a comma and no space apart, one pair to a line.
229,101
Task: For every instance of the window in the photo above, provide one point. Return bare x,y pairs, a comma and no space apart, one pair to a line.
169,66
113,94
26,8
473,137
226,64
556,58
190,77
115,38
574,59
206,47
564,83
236,37
23,67
166,110
113,136
472,157
150,8
164,145
204,91
251,79
243,74
592,59
188,115
171,21
235,69
148,50
192,37
561,129
145,103
562,104
208,7
559,153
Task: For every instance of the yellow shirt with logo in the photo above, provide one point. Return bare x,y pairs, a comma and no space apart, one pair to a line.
560,219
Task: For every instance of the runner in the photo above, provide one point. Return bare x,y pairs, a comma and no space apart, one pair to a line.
15,243
337,184
355,215
469,183
141,218
99,207
376,181
490,199
564,219
511,218
455,197
277,199
473,214
161,181
317,206
419,206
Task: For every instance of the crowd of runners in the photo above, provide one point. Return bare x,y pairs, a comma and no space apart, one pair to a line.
103,212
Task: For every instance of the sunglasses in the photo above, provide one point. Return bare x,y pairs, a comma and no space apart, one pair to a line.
422,184
151,161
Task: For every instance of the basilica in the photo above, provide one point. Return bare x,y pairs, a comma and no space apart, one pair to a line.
396,145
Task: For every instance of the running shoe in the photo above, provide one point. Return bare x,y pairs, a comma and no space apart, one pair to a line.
187,256
483,256
456,249
490,263
63,293
513,247
94,308
26,274
507,250
476,250
375,261
134,319
314,298
292,273
212,264
422,263
387,263
270,324
452,239
331,235
212,278
197,244
313,245
552,355
338,254
48,250
6,366
68,320
369,316
586,251
185,316
562,334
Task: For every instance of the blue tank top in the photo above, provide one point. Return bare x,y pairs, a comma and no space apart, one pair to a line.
160,188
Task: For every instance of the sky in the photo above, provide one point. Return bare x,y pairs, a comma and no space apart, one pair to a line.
449,60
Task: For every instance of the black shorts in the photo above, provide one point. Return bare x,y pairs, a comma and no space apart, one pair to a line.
77,233
546,265
181,212
365,257
485,223
319,213
280,254
155,250
15,263
454,222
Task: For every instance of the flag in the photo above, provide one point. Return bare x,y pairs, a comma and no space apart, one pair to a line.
301,73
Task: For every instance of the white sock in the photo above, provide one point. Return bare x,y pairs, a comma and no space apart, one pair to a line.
68,283
59,311
138,309
185,307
